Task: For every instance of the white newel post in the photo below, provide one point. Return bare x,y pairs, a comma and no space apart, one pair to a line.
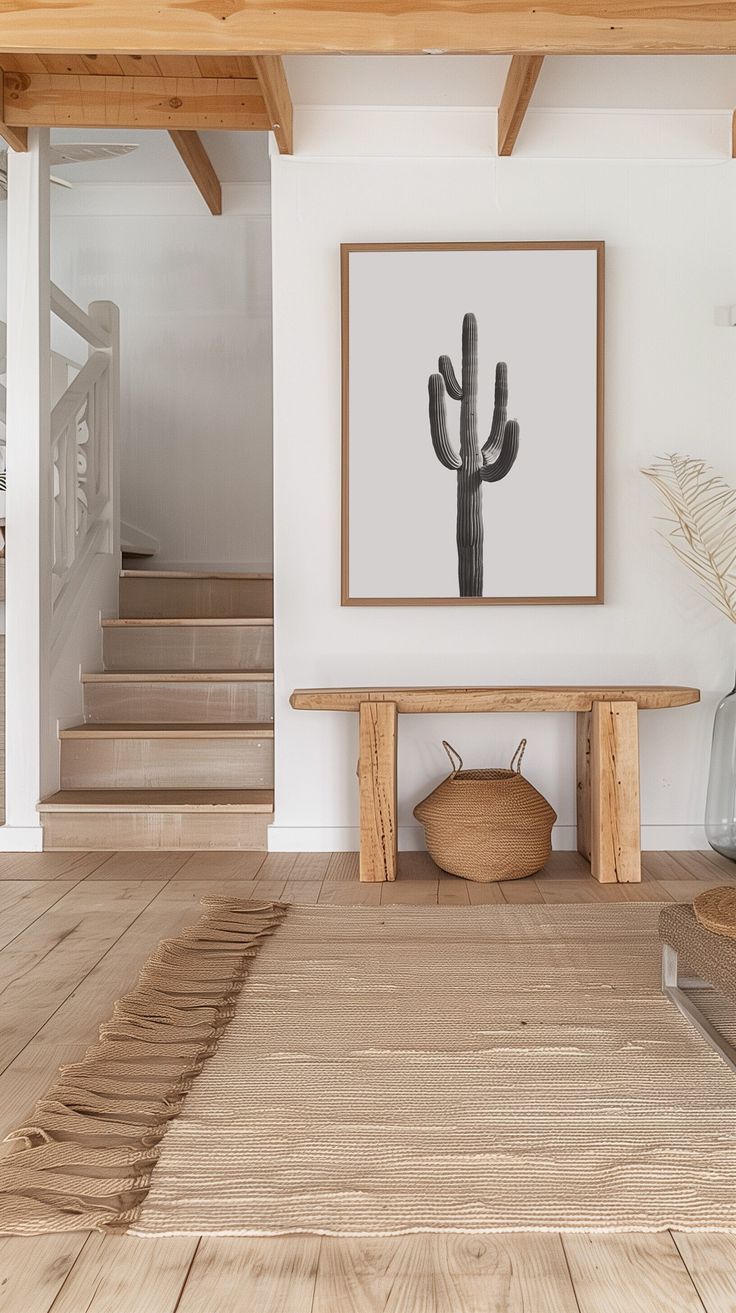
29,745
107,315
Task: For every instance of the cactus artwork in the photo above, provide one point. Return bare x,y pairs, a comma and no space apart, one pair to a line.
476,464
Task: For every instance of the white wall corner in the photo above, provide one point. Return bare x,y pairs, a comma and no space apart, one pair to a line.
29,744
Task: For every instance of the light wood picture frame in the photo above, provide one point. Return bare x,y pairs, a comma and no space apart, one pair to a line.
482,360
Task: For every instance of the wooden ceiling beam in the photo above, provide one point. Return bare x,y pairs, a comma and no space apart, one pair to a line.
199,164
265,27
55,100
15,138
521,80
269,70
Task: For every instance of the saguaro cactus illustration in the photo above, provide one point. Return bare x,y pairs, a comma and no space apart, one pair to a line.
476,464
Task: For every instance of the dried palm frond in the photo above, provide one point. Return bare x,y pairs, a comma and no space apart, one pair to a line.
701,524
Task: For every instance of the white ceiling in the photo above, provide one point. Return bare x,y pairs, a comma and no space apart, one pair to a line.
623,82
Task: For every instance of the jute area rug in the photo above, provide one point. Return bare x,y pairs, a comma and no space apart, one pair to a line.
417,1069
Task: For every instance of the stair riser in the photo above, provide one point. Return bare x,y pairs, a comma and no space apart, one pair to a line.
168,831
188,647
219,702
167,763
168,598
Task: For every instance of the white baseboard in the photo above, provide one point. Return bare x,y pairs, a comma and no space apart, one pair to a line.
654,838
21,838
675,837
333,838
345,838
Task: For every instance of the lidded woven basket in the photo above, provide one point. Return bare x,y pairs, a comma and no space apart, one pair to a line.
487,825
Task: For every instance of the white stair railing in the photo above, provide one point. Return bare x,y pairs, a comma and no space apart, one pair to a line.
83,439
63,370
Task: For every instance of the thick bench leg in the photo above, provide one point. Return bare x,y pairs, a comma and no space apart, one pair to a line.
377,779
583,782
615,837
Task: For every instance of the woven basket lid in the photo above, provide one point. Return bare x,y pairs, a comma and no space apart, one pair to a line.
716,910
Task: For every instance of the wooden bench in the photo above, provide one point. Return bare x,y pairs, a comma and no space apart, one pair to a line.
607,759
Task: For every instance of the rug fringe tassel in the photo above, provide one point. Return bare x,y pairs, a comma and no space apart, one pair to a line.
85,1159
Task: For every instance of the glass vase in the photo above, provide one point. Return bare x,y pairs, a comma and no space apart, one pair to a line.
720,807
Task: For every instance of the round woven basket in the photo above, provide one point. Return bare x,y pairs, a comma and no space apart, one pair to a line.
487,825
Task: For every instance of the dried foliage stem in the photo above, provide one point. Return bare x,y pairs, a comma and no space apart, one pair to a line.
701,524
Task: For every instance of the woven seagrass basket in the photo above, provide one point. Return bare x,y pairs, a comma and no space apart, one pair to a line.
487,825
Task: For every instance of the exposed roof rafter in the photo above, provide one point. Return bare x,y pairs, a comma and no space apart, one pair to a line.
269,70
199,164
520,83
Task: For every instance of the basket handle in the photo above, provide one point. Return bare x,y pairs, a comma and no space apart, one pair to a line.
453,754
518,757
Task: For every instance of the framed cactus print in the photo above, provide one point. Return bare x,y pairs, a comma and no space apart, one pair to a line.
472,423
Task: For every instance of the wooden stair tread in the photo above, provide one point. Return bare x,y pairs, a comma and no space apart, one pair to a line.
191,574
158,800
150,767
162,730
148,622
176,676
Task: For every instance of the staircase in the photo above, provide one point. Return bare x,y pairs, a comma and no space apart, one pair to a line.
176,748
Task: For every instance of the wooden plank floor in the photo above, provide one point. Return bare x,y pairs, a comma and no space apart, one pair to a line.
74,930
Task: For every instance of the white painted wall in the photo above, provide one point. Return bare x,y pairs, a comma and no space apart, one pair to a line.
194,297
658,82
195,317
383,175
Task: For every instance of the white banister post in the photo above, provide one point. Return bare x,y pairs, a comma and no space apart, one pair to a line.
30,750
107,314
